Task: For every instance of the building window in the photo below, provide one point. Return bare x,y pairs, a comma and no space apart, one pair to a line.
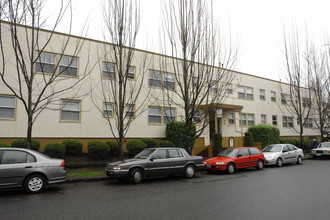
197,117
155,115
107,109
273,96
285,99
306,102
68,66
155,78
7,107
169,114
250,119
213,86
308,123
247,119
245,92
129,110
274,120
108,70
46,63
231,118
169,81
287,121
70,110
262,94
230,88
242,122
263,119
195,82
131,72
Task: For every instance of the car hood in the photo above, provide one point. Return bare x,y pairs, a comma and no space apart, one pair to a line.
127,161
321,148
271,153
218,159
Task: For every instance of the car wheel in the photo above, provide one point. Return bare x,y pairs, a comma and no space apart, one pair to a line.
279,162
189,171
260,165
34,183
230,168
299,160
136,175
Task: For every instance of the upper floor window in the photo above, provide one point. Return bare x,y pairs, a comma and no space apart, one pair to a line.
131,72
245,92
107,109
262,94
70,110
231,118
69,66
287,121
273,96
306,102
213,86
129,110
197,117
263,119
169,81
247,119
155,115
274,120
230,88
285,99
155,78
7,107
46,63
108,70
308,123
158,115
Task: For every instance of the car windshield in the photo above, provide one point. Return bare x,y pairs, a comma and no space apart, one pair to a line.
228,153
324,144
272,148
145,153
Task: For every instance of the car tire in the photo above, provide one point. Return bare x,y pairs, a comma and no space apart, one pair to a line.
260,165
34,183
299,160
279,162
135,175
230,168
189,171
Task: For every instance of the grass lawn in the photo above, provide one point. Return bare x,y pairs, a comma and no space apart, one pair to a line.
85,173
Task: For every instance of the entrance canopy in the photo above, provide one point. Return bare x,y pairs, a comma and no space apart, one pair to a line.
224,106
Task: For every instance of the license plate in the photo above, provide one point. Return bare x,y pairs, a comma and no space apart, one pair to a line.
208,166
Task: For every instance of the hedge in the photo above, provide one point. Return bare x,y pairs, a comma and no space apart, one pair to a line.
217,143
22,143
248,139
4,145
175,132
307,144
98,150
166,143
150,142
73,147
134,147
55,150
115,149
266,134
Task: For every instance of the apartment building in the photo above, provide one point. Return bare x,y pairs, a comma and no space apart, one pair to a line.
79,113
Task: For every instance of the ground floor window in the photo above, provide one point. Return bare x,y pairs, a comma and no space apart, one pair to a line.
70,110
287,121
7,107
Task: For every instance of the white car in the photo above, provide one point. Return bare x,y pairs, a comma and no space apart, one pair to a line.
322,150
279,154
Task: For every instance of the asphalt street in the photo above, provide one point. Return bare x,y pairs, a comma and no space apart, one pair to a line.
289,192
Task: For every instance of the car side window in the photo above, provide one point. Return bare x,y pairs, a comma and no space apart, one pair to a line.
291,148
30,158
160,154
254,151
175,153
12,157
244,152
285,148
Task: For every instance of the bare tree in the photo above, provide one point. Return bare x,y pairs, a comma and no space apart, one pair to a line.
33,65
200,60
121,85
297,100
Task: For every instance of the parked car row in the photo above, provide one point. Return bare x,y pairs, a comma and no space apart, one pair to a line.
32,170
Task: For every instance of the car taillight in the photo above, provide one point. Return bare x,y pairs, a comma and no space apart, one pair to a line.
62,164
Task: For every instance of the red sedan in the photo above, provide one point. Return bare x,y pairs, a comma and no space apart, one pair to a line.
234,158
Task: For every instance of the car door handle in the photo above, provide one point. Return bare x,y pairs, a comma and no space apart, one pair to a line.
28,167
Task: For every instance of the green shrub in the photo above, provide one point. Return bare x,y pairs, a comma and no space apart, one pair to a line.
295,142
176,132
166,143
98,150
73,147
55,150
217,143
115,149
307,145
4,145
134,147
248,139
150,142
266,134
22,143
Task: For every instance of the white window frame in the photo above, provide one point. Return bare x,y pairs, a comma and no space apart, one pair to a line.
41,61
107,110
244,92
230,88
10,107
308,123
286,99
273,96
78,111
231,118
169,81
155,115
262,94
287,121
263,119
151,77
130,110
73,64
107,71
131,72
171,117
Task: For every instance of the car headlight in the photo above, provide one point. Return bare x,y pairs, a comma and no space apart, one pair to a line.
220,163
204,162
117,168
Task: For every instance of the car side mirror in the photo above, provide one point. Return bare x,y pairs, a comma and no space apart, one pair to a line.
151,159
240,155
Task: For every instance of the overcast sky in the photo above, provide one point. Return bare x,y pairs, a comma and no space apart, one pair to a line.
257,26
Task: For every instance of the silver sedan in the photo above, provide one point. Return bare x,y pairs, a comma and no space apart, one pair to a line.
29,169
323,150
279,154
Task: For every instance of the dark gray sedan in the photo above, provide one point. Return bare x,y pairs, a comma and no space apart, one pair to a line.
154,162
29,169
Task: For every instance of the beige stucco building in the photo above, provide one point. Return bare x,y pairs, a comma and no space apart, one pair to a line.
252,100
